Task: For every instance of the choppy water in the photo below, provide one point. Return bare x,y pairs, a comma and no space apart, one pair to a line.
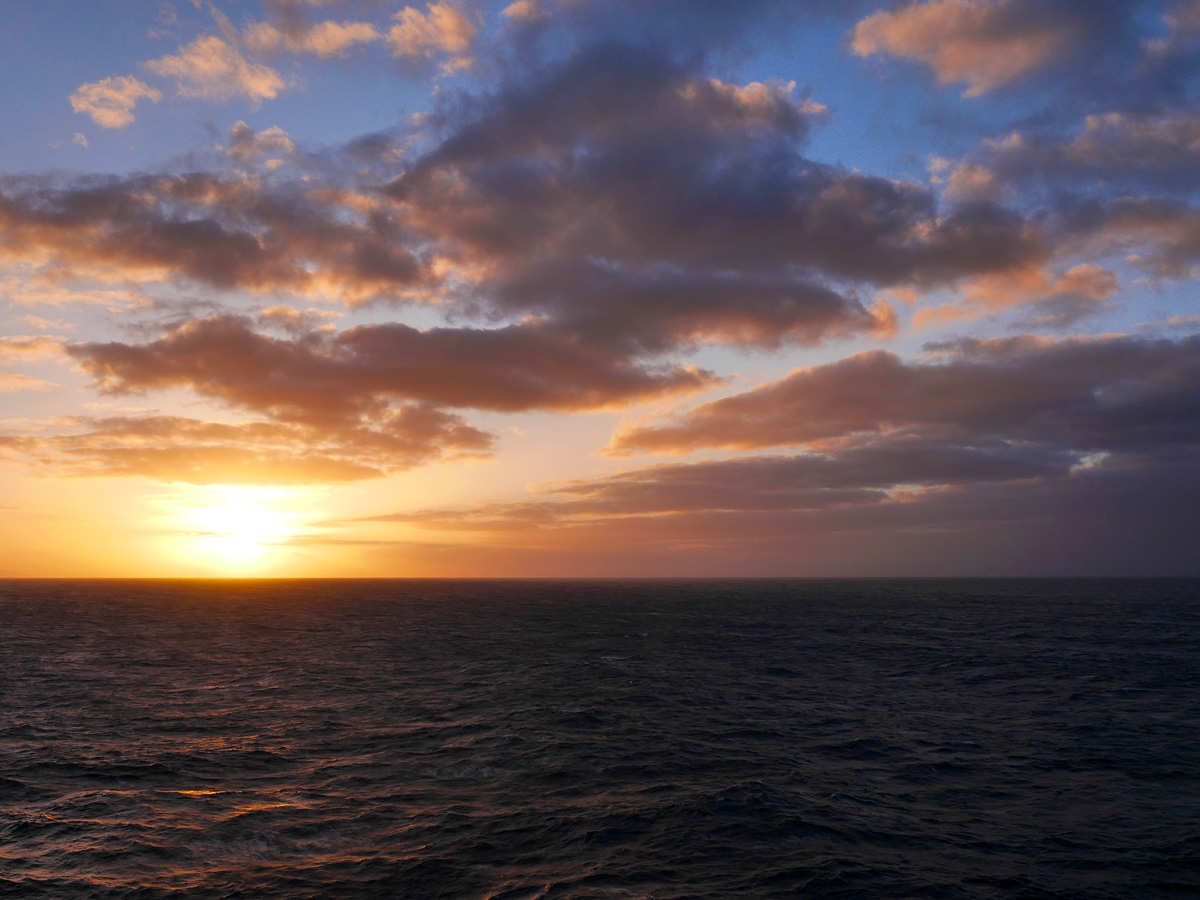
936,739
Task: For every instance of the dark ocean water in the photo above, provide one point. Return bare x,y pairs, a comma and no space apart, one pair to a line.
890,739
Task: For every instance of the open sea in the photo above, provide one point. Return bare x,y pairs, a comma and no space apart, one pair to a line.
588,739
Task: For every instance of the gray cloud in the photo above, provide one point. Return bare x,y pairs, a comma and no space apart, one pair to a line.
1013,455
1114,394
953,511
654,166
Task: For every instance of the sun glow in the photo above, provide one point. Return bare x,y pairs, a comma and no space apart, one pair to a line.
239,529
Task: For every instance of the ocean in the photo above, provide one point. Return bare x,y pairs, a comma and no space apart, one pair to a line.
514,740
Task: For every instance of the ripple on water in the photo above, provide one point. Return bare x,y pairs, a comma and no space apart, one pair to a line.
517,741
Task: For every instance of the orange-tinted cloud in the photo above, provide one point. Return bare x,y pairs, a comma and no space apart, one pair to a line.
22,347
985,43
1048,300
111,101
170,448
442,30
524,11
328,378
341,405
227,233
12,383
326,40
211,69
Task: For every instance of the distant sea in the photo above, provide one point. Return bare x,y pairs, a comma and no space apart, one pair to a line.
590,739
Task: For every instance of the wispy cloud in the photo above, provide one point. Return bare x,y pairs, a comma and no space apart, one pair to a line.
171,448
326,40
211,69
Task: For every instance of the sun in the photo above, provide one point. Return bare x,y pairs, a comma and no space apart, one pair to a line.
238,529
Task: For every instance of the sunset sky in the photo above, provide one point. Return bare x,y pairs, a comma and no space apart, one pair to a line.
599,287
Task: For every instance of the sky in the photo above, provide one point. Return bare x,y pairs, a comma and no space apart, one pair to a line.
547,288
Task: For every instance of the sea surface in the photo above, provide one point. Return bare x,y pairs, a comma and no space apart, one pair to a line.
622,739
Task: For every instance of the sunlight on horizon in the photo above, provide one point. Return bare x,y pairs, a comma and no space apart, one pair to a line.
237,530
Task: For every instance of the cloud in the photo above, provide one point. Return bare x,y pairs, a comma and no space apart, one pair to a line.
1081,291
1083,395
246,145
1162,236
12,383
1002,456
210,69
440,30
171,448
1181,322
525,11
983,43
326,40
21,348
24,347
328,378
296,321
616,173
656,311
283,7
690,27
227,233
111,101
622,167
25,284
1132,149
970,182
1055,301
1160,143
80,139
949,511
1116,182
857,476
360,402
1185,17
